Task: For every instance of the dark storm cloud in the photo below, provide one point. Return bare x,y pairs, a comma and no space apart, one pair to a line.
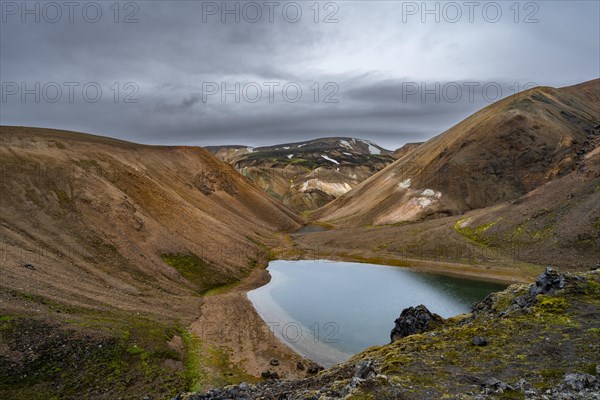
184,105
153,74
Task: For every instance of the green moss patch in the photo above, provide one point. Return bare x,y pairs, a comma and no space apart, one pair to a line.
208,367
125,358
557,334
476,234
204,276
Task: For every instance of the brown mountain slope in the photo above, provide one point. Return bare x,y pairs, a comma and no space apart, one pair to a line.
498,154
98,229
112,208
556,224
406,149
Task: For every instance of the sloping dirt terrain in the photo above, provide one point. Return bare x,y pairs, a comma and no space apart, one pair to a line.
556,224
496,155
116,242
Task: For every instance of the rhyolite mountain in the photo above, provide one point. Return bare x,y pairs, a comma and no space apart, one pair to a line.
498,154
114,208
307,175
106,249
517,182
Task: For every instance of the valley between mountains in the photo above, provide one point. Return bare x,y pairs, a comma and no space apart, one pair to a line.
125,267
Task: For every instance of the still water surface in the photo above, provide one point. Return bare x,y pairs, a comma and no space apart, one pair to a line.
328,311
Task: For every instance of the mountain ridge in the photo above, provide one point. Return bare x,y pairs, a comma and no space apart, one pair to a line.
108,249
308,174
499,153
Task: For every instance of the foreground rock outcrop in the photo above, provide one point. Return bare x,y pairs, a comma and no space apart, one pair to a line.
414,320
540,344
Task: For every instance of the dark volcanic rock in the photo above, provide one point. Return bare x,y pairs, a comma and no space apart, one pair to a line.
479,341
484,305
364,370
313,368
579,381
522,301
268,374
577,386
495,386
414,320
548,282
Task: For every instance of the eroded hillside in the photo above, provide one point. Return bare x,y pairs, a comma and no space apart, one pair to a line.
496,155
110,243
307,175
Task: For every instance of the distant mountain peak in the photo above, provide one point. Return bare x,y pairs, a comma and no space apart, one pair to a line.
308,174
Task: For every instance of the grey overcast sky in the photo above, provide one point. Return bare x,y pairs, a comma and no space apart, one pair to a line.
258,73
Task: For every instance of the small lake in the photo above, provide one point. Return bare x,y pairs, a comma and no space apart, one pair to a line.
327,311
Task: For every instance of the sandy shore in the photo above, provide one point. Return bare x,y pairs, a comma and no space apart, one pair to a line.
229,322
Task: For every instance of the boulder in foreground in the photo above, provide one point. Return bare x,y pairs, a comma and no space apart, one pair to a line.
414,320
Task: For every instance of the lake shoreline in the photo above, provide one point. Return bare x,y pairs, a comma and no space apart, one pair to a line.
488,272
293,302
243,348
228,324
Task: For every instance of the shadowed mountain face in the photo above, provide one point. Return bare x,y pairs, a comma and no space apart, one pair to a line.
307,175
105,221
498,154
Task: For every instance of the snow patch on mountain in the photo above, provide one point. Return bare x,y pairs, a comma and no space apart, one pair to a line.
346,144
431,193
424,202
373,149
329,159
405,184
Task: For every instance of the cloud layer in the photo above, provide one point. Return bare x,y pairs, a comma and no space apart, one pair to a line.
385,71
